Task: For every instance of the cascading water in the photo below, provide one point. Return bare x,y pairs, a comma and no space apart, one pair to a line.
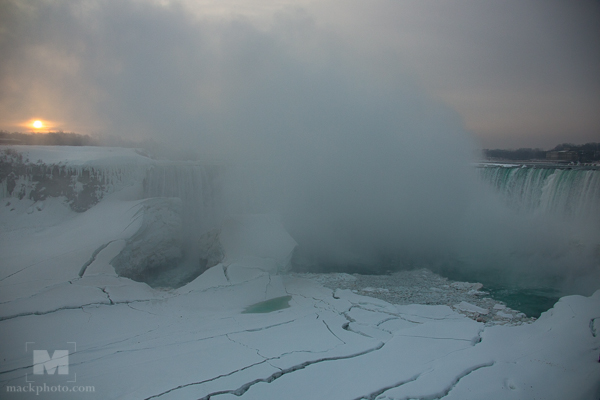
196,185
552,231
570,192
192,195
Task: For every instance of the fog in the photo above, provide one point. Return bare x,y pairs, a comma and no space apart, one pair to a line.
364,166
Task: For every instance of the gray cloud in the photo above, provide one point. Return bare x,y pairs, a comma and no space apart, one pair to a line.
516,71
521,73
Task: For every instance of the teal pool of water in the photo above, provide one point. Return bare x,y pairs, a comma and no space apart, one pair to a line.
267,306
530,301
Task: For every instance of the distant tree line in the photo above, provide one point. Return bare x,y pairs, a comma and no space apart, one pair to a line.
519,154
47,139
588,152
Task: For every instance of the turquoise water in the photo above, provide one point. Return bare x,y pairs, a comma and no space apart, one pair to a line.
527,293
530,301
267,306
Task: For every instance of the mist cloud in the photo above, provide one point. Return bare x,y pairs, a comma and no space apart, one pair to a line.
361,162
340,146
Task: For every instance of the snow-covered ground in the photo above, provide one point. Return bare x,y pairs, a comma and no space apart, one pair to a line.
320,336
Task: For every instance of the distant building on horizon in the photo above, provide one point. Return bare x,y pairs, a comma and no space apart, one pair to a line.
563,155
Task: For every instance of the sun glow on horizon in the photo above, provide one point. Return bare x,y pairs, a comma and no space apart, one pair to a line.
38,125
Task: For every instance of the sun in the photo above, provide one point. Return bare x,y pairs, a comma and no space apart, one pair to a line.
37,124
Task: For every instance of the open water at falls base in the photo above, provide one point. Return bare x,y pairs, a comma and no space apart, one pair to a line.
527,293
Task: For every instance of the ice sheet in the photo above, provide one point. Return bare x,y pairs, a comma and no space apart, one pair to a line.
129,341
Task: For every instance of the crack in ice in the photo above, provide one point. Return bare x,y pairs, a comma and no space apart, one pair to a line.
440,395
80,306
204,381
244,388
93,258
373,395
107,295
329,329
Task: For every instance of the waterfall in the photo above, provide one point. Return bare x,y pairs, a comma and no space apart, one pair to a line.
198,187
570,192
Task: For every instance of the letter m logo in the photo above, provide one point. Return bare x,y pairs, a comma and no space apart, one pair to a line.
42,361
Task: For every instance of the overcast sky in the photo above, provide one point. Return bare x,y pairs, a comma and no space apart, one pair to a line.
243,74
